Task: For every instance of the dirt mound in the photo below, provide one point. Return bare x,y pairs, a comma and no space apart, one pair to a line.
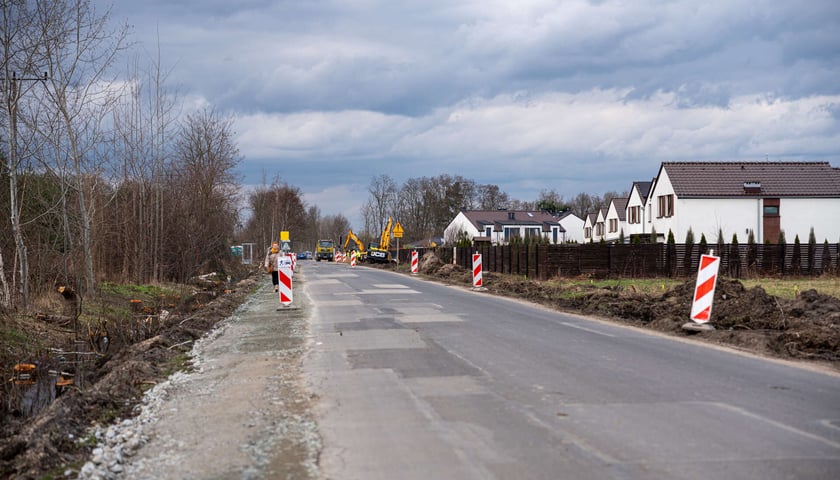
430,263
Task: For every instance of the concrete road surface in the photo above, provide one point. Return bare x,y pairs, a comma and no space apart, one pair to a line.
418,380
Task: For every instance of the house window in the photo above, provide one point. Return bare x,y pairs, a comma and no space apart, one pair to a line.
771,210
488,232
554,231
532,233
633,214
613,225
666,205
511,232
599,229
587,232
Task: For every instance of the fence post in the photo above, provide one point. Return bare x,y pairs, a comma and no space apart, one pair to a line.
527,263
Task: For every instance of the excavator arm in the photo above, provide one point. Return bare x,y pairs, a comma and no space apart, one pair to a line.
385,239
352,236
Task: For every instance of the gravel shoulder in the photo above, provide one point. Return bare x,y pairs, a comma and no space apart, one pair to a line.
241,412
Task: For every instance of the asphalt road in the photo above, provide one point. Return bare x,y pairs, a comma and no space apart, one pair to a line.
418,380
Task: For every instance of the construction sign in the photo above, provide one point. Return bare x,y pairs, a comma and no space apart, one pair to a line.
398,230
704,291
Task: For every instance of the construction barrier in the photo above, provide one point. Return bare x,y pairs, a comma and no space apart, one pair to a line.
477,270
284,275
704,291
353,258
415,261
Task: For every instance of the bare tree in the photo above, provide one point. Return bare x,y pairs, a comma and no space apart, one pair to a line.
143,123
275,208
19,39
382,203
204,179
585,203
334,227
78,49
491,197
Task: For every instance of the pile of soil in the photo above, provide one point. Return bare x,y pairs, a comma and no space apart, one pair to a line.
806,328
44,444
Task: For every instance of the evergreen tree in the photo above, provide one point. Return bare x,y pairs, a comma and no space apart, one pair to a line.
689,251
671,255
826,258
812,252
752,251
734,257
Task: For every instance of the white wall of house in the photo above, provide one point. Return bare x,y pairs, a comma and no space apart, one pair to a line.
588,229
640,227
600,228
798,215
574,228
710,215
655,221
613,218
459,224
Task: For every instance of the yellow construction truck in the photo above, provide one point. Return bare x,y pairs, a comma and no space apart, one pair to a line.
325,250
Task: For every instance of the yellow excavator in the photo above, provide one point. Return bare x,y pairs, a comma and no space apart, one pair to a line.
379,253
361,254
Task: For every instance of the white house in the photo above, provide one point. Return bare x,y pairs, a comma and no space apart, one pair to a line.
738,197
616,220
600,230
589,227
573,226
502,226
636,207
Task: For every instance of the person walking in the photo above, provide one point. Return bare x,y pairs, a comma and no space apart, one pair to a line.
270,264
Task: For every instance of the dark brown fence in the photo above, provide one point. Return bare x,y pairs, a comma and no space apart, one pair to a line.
645,260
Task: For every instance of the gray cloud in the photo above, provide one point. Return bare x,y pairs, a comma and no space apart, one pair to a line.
574,95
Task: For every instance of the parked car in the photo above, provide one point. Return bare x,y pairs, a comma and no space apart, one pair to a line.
301,256
308,255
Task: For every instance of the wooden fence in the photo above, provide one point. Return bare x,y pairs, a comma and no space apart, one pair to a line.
645,260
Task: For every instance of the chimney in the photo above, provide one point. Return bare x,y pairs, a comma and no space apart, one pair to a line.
752,188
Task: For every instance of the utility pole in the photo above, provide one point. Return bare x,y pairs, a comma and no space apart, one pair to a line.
13,92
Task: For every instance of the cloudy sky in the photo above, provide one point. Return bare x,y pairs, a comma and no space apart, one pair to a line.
531,95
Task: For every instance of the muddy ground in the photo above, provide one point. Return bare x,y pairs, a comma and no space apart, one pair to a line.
53,442
56,440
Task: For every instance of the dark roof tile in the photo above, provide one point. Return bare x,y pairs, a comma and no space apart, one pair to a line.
777,179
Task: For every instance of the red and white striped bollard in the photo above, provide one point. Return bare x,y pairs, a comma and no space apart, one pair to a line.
284,275
415,262
477,282
704,293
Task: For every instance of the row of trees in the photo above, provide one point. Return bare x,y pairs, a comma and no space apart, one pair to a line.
104,177
279,206
425,206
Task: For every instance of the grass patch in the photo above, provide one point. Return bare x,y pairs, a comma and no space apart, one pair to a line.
178,363
791,287
642,285
13,338
144,292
